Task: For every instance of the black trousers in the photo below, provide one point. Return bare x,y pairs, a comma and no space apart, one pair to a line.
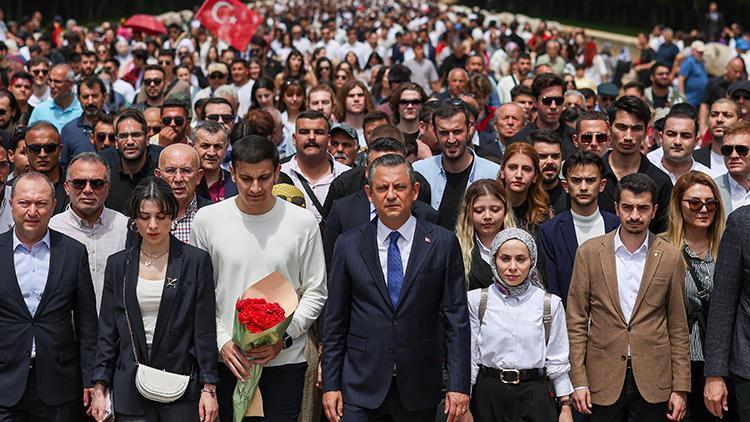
281,387
697,410
31,408
493,400
391,410
630,406
742,398
165,412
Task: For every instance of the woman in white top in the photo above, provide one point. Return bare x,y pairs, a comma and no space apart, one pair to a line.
512,360
166,319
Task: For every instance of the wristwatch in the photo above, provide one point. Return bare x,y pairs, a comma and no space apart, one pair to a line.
288,341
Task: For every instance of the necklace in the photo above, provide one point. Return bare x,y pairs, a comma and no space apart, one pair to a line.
149,259
701,252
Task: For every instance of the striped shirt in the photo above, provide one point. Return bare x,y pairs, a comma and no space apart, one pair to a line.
704,269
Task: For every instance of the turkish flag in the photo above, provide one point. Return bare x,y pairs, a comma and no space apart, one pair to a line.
230,20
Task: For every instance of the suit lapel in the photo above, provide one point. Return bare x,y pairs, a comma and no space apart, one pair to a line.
131,298
372,260
569,233
361,214
10,282
420,247
653,257
169,291
609,268
56,264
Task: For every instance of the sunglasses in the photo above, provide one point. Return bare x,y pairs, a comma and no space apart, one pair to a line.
342,77
745,97
154,129
80,184
695,205
216,75
548,100
40,71
178,121
48,148
165,63
742,150
224,118
101,137
586,138
156,81
410,102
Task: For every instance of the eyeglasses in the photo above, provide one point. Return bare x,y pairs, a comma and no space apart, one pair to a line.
695,205
48,148
224,118
737,97
742,150
167,120
296,200
126,135
40,71
342,77
165,63
586,138
548,100
155,81
101,137
80,184
410,102
173,171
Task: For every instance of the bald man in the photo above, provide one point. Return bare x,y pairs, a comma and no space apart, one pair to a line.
179,165
63,106
509,120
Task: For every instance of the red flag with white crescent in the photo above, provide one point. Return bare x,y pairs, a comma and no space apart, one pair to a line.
231,21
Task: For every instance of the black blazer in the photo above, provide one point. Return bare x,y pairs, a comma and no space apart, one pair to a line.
353,211
558,245
65,346
703,155
185,334
365,336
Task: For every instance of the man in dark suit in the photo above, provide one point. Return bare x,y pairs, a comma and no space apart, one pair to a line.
210,141
560,237
355,210
46,357
396,311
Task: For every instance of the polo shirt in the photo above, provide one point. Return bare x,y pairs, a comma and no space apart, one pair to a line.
49,111
75,139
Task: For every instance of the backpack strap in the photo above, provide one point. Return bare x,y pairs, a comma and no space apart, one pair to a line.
483,305
547,317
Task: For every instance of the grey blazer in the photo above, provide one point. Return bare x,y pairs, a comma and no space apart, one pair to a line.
726,197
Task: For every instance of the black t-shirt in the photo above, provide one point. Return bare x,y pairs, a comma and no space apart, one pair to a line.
715,88
558,199
644,76
455,186
660,102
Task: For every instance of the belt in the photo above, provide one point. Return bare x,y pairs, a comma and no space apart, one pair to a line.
513,376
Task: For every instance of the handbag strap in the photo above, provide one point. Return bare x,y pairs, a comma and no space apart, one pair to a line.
127,315
702,291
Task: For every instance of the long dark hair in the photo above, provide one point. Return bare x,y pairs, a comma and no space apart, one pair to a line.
152,189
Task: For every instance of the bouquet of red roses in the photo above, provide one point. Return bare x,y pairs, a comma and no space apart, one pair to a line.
262,315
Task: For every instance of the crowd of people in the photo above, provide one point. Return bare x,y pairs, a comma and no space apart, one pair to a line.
482,220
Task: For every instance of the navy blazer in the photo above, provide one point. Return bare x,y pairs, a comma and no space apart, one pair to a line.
353,211
558,244
185,334
65,346
365,336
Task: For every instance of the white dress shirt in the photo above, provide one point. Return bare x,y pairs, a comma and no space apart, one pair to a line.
484,252
629,273
404,243
512,335
320,187
32,269
696,166
740,197
718,166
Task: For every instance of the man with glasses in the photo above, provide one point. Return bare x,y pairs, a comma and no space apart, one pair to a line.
103,135
154,87
43,146
210,140
102,230
592,133
678,141
735,185
132,161
174,124
39,68
739,92
62,106
76,134
217,76
6,216
179,165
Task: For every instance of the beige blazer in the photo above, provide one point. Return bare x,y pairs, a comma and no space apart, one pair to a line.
657,330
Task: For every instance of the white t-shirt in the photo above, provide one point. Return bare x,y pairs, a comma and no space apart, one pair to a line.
244,96
148,293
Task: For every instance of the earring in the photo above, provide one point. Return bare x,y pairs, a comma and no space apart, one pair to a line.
174,225
132,226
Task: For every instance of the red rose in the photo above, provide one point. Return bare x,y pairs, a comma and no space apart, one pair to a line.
258,315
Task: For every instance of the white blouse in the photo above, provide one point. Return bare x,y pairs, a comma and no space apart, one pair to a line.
149,298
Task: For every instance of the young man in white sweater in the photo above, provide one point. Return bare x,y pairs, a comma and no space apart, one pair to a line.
248,237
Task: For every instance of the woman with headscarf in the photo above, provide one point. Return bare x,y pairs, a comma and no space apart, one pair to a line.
519,339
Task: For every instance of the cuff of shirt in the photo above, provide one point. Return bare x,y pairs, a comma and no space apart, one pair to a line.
563,386
583,387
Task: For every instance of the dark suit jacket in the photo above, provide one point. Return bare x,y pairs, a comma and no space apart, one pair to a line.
365,336
353,211
65,346
703,155
230,188
185,334
354,180
558,244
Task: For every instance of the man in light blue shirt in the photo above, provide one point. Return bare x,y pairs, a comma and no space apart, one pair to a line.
63,106
452,171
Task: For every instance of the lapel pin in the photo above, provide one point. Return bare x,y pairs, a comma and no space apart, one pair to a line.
428,240
172,282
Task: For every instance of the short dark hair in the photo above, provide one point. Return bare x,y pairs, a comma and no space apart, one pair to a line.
587,93
172,103
106,118
390,160
681,113
88,53
132,114
570,114
154,67
374,116
166,52
449,109
635,84
545,136
216,100
579,159
544,81
254,149
392,145
90,82
637,183
590,115
658,65
313,115
140,54
631,105
155,189
428,109
520,90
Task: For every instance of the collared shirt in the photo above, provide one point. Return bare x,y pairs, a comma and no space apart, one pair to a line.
320,187
512,335
75,139
123,184
32,269
102,239
184,224
216,191
51,112
432,170
404,242
738,194
484,252
696,166
630,268
718,166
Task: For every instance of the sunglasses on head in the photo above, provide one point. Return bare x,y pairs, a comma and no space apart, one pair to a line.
586,138
225,118
548,100
167,120
80,184
101,137
742,150
155,81
695,205
48,148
